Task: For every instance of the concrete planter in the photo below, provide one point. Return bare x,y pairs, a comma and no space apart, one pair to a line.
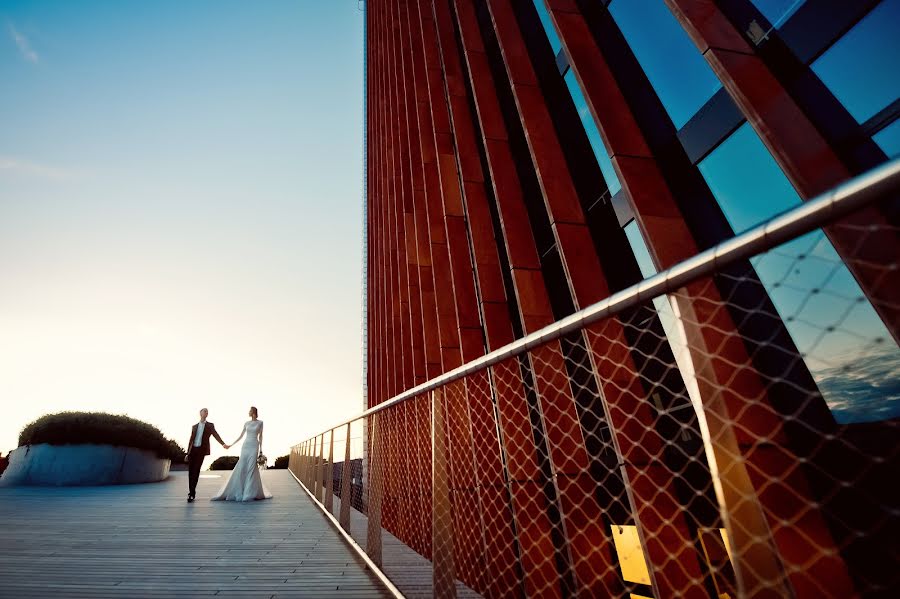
72,465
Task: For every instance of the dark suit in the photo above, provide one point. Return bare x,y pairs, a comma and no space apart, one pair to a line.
196,454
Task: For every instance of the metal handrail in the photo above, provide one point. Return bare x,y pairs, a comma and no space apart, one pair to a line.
813,214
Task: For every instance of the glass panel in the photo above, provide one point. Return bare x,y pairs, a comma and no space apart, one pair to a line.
888,139
777,11
549,29
679,74
639,247
631,556
593,134
746,181
861,68
808,285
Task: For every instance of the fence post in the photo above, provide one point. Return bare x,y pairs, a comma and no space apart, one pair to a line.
320,469
346,491
329,467
301,460
444,570
307,476
373,506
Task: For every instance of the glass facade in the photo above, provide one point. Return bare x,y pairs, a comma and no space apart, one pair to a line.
862,69
549,29
888,139
593,134
658,42
778,11
750,188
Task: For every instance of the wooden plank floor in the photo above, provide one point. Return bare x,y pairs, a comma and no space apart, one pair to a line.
407,570
147,541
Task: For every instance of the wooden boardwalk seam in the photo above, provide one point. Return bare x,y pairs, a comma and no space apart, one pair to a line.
147,541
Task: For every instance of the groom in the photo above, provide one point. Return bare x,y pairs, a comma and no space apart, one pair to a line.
198,448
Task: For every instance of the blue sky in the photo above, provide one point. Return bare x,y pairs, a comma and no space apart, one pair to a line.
180,212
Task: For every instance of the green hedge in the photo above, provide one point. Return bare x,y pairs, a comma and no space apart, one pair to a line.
77,428
281,462
226,462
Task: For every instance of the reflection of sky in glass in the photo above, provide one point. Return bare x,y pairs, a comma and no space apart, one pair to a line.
862,68
593,134
548,26
676,69
888,139
805,278
777,11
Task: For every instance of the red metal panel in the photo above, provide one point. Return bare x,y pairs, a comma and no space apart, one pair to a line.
416,244
463,278
422,153
434,125
587,284
468,537
538,551
501,561
551,378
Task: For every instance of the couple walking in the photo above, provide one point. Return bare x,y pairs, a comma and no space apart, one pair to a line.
245,483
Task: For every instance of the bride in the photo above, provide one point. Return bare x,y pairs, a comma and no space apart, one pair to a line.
245,483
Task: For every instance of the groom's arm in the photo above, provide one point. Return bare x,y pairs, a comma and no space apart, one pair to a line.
215,434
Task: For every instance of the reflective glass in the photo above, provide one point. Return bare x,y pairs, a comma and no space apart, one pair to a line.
549,29
639,248
888,139
809,286
777,11
593,134
862,69
676,69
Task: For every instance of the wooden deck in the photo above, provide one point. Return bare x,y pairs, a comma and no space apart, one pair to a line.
147,541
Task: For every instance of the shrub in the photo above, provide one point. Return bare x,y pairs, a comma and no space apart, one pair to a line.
281,462
77,428
226,462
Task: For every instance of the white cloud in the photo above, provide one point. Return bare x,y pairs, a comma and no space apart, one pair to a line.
23,44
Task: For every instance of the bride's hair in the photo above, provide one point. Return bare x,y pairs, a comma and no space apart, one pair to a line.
254,410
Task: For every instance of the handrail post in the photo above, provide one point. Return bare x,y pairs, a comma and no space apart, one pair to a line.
346,491
444,570
373,505
307,475
301,460
320,470
329,468
305,470
301,470
317,467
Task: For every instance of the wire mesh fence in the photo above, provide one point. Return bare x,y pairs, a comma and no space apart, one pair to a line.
729,430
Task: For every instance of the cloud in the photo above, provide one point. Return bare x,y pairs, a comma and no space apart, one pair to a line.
23,44
864,388
11,165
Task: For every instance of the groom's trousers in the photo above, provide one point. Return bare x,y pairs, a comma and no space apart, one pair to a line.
195,463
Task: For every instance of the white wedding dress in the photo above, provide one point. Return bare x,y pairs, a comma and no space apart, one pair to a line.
245,483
